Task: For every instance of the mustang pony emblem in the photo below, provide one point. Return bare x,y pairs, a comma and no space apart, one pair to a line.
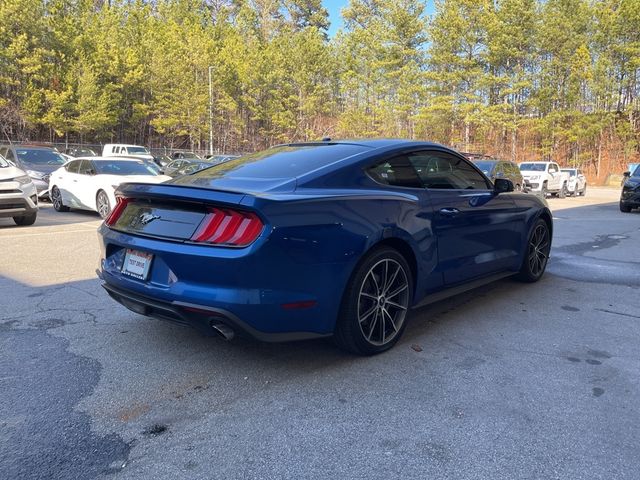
146,218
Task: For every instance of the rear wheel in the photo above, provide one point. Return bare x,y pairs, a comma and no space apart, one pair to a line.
56,199
537,253
103,206
26,219
375,304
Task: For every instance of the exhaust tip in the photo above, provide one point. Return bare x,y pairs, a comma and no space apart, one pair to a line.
223,330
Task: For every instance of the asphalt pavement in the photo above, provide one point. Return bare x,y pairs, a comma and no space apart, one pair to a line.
510,381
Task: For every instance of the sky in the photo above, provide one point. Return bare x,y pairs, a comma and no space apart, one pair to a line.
334,7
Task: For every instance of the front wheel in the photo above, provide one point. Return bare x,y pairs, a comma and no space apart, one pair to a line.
25,219
103,206
56,199
543,190
375,303
584,191
537,253
624,208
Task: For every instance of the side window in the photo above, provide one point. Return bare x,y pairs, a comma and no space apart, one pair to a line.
396,171
553,168
440,170
86,168
72,167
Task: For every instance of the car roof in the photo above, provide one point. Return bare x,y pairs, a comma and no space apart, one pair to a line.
30,147
371,143
114,159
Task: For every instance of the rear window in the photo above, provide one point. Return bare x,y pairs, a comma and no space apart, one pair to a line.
280,162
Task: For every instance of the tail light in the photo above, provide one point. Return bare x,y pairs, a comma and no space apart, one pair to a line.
228,227
117,211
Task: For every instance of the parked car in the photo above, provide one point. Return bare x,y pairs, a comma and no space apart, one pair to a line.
161,159
545,178
319,239
89,183
124,150
630,195
184,154
37,161
76,152
501,169
18,195
577,181
194,167
173,168
221,158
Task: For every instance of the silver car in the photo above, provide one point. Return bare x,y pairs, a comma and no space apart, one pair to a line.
18,195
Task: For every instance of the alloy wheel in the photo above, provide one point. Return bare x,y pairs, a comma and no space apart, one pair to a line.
383,302
56,198
539,247
103,205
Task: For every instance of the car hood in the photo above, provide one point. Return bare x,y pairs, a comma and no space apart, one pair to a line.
9,173
41,168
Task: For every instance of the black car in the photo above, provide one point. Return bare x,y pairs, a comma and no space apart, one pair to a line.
80,152
185,155
501,169
630,195
173,169
37,161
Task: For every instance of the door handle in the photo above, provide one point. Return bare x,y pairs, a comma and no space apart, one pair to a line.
449,212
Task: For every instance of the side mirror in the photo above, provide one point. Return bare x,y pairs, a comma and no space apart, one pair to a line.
503,185
626,174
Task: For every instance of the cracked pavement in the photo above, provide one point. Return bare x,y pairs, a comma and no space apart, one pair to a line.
509,381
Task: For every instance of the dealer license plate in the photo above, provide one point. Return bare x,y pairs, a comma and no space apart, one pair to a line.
137,264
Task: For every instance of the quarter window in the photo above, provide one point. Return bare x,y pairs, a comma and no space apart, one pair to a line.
396,171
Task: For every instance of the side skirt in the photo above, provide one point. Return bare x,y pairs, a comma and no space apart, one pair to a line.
452,291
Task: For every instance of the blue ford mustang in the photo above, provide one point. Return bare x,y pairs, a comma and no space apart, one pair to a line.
319,239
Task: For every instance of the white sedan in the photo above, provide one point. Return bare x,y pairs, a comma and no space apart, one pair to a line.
90,183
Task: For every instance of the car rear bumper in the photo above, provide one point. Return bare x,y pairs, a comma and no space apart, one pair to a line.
260,290
200,317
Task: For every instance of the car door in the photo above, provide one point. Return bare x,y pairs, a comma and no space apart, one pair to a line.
86,185
555,177
66,180
475,227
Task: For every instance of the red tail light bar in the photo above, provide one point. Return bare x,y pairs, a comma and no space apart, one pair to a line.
222,226
117,211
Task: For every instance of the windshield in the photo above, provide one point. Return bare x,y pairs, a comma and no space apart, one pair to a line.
189,155
137,150
485,166
40,157
533,167
636,172
123,167
570,171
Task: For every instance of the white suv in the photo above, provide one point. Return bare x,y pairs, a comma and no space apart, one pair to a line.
18,195
545,177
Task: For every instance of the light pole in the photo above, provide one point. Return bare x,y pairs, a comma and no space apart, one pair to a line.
210,113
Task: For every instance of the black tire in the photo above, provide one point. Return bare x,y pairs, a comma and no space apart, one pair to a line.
26,219
543,190
563,191
624,208
584,191
103,205
536,255
360,311
56,199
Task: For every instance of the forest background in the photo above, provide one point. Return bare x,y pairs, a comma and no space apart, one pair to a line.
516,79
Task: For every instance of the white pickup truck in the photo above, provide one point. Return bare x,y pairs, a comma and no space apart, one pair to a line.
545,178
